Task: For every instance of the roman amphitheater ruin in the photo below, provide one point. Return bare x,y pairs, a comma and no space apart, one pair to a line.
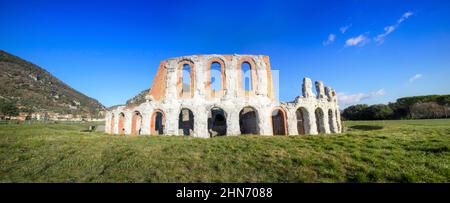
183,101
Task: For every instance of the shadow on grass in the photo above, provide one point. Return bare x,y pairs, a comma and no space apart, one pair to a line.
434,150
366,127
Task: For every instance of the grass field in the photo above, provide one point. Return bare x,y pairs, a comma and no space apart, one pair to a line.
375,151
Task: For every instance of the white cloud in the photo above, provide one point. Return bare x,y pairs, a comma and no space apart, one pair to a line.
344,29
415,77
389,29
331,38
378,93
349,99
359,40
405,16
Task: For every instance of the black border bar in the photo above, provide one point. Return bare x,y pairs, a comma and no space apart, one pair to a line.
168,191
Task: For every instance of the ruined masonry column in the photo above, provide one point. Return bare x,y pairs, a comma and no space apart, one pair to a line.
229,79
311,127
291,121
199,79
127,123
171,127
320,90
333,127
261,74
233,127
339,121
307,88
173,110
146,117
326,124
264,124
200,123
108,124
232,78
116,123
171,79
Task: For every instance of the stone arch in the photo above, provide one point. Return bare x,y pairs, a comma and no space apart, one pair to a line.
209,90
112,123
320,120
186,122
157,122
252,75
217,122
278,118
248,120
182,93
120,125
302,117
136,123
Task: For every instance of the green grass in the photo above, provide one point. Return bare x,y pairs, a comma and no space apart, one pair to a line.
401,151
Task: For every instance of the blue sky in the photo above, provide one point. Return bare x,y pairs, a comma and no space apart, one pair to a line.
369,51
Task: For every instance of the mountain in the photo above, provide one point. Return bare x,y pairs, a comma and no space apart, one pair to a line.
33,88
138,99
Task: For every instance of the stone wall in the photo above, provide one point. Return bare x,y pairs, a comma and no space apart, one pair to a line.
233,101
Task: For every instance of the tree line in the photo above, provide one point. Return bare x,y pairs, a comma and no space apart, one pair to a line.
416,107
8,108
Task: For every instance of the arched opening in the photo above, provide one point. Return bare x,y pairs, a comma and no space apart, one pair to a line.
320,123
216,73
279,122
121,129
331,120
185,83
136,123
186,122
157,123
186,88
217,122
246,76
248,121
112,124
216,76
301,114
337,121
